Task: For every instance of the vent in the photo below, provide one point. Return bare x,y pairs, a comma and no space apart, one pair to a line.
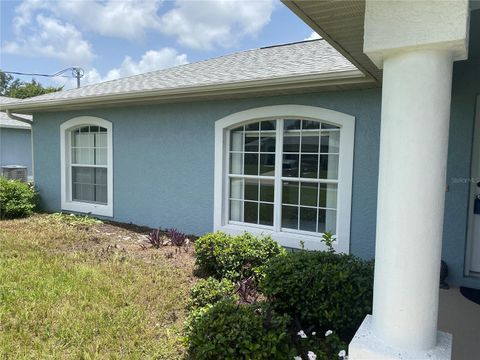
15,172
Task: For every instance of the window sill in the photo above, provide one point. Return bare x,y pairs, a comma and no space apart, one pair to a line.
94,209
286,239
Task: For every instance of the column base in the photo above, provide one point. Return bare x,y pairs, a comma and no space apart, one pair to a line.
366,346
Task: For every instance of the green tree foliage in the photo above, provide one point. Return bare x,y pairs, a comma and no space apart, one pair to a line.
13,87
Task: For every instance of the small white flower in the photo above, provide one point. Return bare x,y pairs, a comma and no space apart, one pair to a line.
311,355
329,332
302,334
342,354
314,333
297,358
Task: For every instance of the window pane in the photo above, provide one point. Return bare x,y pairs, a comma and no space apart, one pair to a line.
266,214
330,142
250,212
267,190
327,221
308,219
236,210
291,142
251,189
267,143
236,188
308,194
290,165
290,192
268,125
252,126
328,126
252,142
310,124
290,217
267,164
236,162
82,156
310,142
101,140
100,156
82,192
291,124
309,167
328,167
101,194
82,175
236,139
328,196
100,176
251,164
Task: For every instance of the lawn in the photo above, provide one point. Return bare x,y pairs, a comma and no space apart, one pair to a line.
83,290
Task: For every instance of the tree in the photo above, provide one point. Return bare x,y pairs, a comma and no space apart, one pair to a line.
13,87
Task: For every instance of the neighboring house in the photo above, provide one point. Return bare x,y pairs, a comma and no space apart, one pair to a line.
15,141
286,141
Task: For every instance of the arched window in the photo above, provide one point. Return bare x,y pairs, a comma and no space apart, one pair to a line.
286,171
86,148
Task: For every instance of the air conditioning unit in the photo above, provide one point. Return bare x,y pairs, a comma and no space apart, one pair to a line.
15,172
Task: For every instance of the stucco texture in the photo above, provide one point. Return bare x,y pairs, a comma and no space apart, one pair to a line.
16,148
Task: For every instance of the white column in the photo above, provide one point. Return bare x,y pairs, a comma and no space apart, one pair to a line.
417,52
411,192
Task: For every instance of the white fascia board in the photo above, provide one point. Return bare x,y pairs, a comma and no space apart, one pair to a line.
290,82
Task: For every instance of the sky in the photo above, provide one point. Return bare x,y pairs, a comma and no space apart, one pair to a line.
110,39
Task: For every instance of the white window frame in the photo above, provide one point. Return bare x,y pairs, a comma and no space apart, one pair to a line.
290,238
67,203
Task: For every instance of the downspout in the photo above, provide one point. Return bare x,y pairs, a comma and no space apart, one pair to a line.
18,118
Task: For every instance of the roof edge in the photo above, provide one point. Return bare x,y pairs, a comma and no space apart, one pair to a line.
330,39
290,82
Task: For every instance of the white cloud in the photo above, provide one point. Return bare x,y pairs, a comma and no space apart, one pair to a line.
51,38
206,24
150,61
124,19
313,36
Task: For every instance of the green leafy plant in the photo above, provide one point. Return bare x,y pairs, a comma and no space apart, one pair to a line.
210,291
328,239
320,289
230,331
234,257
84,221
17,199
323,345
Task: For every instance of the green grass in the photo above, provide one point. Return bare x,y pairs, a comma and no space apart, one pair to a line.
60,301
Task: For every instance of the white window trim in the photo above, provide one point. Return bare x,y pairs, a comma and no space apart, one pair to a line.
65,158
345,174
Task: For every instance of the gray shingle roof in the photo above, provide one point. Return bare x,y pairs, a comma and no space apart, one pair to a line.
276,62
5,121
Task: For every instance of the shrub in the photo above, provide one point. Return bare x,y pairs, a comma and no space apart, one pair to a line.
230,331
176,237
234,257
325,346
210,291
17,199
320,289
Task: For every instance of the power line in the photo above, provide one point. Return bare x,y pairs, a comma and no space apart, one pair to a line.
77,72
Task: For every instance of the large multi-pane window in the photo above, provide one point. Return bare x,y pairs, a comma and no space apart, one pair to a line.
283,175
86,156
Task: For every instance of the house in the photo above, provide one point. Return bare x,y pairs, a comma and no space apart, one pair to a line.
15,141
372,133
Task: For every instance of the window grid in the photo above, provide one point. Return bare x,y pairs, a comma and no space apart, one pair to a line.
279,180
91,191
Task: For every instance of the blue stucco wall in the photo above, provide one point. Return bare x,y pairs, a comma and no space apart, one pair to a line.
16,148
466,87
164,159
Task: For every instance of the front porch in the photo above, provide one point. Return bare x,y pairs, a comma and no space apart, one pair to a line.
461,318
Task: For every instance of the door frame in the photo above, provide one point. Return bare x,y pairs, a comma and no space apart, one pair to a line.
472,191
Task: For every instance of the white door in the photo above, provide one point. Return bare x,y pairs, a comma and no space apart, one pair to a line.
474,246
